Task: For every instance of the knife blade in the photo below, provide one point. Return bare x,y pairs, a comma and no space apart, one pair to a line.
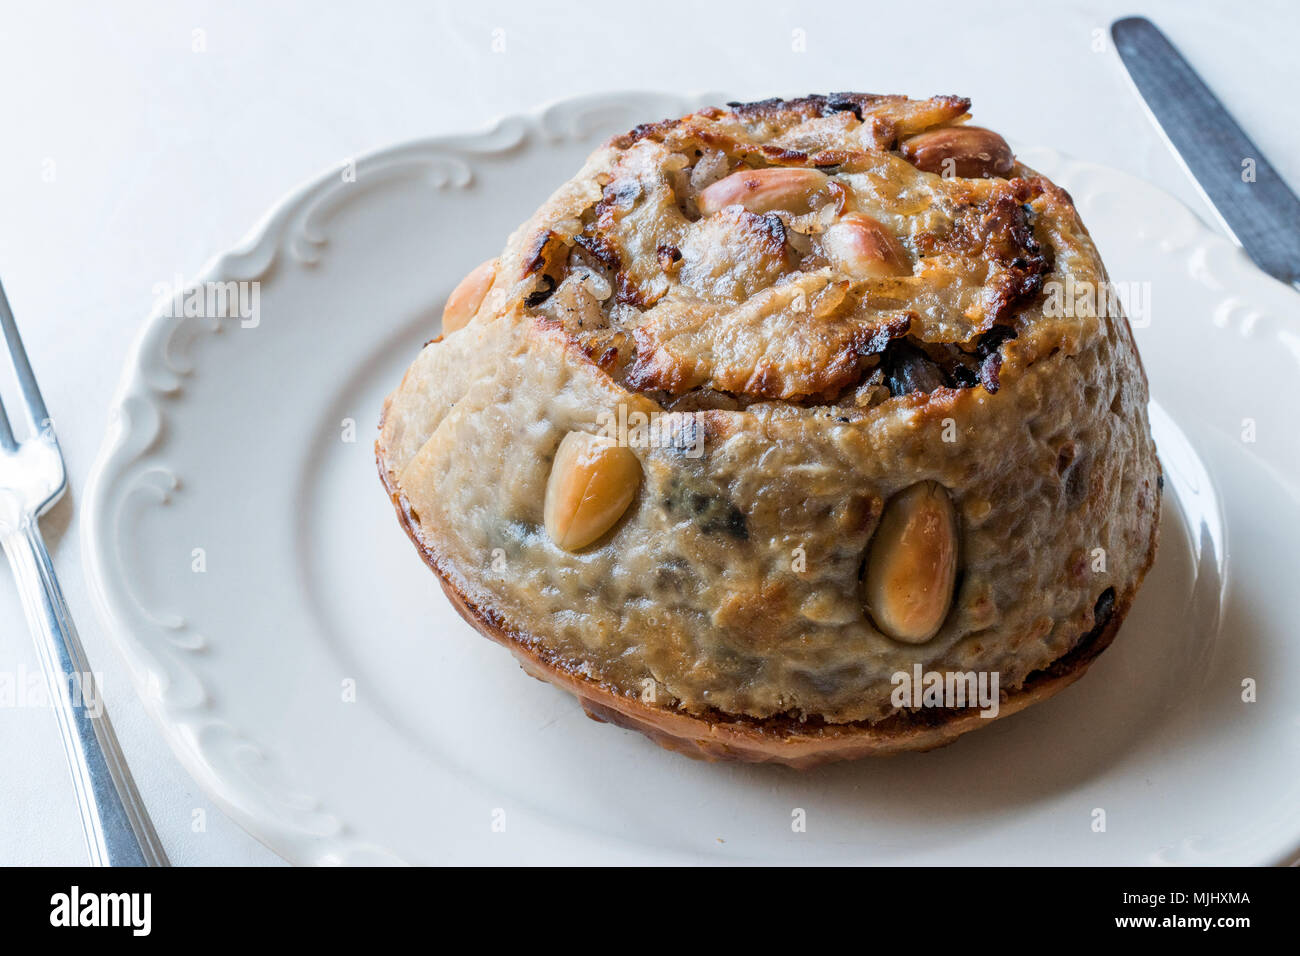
1256,206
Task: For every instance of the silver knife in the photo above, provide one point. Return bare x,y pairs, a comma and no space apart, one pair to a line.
1256,206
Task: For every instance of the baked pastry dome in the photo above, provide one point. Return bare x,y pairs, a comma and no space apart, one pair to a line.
772,403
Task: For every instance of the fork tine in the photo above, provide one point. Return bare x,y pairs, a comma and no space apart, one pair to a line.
6,433
26,380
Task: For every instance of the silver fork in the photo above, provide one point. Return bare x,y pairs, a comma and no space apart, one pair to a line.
32,478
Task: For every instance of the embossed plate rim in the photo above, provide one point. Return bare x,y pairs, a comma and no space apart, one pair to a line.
293,823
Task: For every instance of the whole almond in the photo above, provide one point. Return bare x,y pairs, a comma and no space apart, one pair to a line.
593,480
912,565
465,299
764,190
864,248
967,151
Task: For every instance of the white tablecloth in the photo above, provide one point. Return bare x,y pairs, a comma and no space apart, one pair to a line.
139,139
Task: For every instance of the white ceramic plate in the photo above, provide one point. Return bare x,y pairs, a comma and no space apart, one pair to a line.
316,683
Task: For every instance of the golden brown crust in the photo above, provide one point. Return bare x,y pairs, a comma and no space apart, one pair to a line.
889,118
753,303
801,744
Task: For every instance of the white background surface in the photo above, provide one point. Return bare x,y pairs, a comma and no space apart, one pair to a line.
130,157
